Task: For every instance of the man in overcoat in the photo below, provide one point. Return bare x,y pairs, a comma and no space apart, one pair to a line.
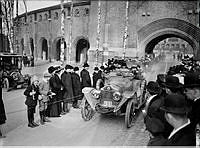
176,110
55,88
85,76
67,88
96,76
192,91
76,87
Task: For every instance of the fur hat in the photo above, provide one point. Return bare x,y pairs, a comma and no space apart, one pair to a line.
51,69
76,69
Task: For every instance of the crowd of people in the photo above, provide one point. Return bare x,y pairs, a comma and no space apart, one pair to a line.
172,112
59,88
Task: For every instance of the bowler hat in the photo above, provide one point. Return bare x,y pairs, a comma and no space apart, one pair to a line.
96,68
153,87
85,65
51,69
175,103
154,125
192,79
68,67
76,69
172,82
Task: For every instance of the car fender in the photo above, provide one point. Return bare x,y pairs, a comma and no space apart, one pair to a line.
88,96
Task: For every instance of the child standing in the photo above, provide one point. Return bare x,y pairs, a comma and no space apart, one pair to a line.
32,93
45,92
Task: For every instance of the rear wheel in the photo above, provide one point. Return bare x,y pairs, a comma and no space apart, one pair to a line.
6,84
130,114
86,110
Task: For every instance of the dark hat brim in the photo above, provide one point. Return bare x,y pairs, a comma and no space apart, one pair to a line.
172,85
173,110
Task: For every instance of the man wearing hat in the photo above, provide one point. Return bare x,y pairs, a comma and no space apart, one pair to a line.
85,76
153,105
67,88
172,85
96,76
43,100
192,91
76,82
176,110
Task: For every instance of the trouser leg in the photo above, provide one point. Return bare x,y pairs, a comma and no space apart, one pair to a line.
30,116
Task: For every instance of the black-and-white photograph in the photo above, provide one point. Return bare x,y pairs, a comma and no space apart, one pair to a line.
100,72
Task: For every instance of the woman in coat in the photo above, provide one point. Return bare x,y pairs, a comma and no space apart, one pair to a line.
32,93
2,111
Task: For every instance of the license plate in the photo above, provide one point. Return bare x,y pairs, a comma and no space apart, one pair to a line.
108,103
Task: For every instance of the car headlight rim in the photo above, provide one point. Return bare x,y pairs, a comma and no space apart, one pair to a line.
117,96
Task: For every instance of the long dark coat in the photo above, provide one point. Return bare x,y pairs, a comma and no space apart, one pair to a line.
85,79
95,78
68,87
76,82
31,100
194,115
2,109
55,87
184,137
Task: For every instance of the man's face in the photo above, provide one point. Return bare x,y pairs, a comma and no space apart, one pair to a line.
190,93
36,83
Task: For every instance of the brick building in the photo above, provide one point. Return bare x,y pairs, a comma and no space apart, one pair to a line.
149,22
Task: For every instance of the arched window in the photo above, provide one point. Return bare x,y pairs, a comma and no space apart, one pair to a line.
56,16
45,16
40,18
86,12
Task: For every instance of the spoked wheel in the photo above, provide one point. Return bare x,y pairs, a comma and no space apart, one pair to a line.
130,116
86,110
6,84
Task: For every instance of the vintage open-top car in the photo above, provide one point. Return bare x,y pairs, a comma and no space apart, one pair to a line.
122,94
11,66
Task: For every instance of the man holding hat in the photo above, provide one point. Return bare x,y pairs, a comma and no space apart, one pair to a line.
192,91
176,110
67,88
85,76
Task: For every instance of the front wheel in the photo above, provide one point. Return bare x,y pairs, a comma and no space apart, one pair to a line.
130,114
86,110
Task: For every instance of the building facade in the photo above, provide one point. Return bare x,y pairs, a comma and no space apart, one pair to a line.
149,22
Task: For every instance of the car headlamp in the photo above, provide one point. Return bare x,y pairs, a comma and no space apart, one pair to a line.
117,96
95,93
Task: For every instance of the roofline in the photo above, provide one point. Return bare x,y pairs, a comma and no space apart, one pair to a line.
65,5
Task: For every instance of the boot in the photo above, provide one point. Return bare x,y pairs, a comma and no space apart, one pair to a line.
41,118
35,124
31,125
45,118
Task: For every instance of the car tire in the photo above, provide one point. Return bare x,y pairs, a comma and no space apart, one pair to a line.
86,110
130,113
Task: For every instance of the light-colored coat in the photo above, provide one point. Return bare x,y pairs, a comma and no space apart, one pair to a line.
44,89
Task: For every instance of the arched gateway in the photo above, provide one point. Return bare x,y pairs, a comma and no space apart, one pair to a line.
153,33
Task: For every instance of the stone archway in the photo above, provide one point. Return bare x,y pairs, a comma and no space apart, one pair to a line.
43,49
32,46
151,34
82,45
57,49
